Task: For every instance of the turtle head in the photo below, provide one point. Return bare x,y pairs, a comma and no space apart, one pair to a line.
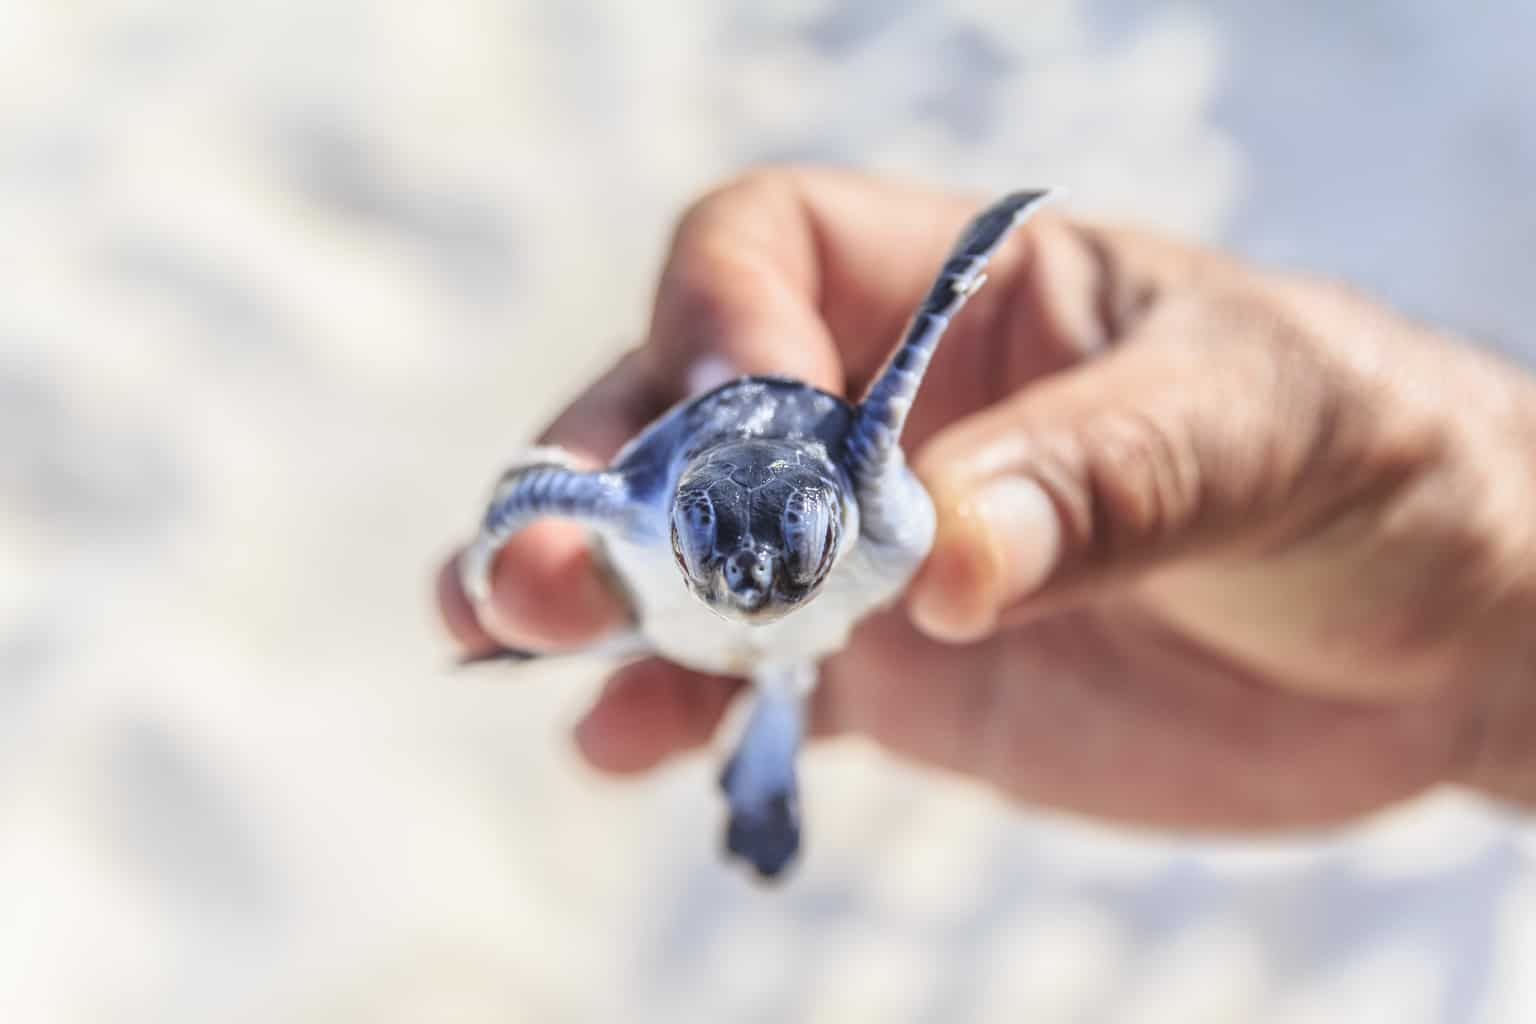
757,526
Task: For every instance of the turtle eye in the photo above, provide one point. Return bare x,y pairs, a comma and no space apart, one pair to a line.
810,536
693,536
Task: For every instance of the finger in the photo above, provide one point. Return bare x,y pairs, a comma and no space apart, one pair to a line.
818,269
649,711
814,272
547,594
1094,475
738,292
806,272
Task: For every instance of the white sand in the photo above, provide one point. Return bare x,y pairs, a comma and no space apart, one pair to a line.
283,282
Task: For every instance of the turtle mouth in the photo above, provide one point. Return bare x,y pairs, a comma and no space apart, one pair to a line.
748,600
763,612
753,606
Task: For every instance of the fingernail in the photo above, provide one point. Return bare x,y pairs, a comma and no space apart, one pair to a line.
708,373
994,546
1021,522
952,598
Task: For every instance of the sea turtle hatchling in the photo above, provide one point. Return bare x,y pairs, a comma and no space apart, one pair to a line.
789,514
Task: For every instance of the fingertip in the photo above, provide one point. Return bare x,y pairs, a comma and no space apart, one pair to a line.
954,596
648,712
738,297
996,545
708,372
547,591
723,327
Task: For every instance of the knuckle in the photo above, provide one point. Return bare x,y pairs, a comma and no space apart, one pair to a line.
760,178
750,185
1442,566
1139,481
716,260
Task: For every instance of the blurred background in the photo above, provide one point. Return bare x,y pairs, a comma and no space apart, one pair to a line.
285,282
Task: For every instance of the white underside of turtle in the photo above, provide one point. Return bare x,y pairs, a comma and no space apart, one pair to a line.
676,625
751,529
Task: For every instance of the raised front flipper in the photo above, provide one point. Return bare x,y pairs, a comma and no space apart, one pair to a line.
759,780
546,485
873,446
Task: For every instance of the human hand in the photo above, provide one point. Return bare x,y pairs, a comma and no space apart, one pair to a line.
1217,548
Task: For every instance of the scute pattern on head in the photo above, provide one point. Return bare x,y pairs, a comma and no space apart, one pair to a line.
693,533
811,533
773,528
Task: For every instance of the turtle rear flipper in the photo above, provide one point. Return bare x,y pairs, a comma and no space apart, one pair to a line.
759,780
767,834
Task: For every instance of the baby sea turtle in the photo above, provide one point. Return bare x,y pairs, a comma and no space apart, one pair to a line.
789,515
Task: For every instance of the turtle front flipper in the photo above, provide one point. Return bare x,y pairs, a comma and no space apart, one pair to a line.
546,485
873,447
760,781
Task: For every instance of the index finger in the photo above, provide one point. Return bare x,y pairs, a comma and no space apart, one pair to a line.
806,272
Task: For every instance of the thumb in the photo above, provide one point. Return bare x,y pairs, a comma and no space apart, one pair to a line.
1195,431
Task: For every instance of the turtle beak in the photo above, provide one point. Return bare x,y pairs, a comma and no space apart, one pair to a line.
748,605
745,585
749,578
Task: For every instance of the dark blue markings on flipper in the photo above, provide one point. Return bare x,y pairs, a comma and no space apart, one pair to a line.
766,836
531,492
546,489
876,430
761,787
